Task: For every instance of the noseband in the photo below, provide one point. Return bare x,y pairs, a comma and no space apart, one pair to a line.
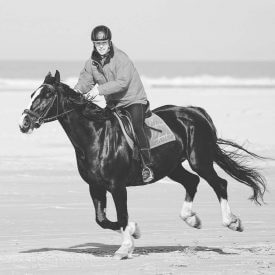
40,118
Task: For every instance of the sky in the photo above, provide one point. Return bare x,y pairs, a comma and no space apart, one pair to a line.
166,30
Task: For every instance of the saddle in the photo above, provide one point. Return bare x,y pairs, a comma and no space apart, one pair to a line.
156,129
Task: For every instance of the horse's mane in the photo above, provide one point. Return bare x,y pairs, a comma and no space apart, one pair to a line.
86,107
96,113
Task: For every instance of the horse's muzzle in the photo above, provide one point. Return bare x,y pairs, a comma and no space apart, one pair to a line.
25,124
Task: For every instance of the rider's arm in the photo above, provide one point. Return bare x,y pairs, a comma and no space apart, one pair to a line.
85,81
124,72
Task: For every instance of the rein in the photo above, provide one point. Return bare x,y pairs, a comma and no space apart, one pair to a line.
41,118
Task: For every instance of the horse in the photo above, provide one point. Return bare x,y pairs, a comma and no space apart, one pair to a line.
107,163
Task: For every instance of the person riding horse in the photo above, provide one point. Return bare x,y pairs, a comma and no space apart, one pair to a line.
106,162
111,73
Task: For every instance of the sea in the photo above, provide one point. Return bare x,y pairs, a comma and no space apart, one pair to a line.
25,74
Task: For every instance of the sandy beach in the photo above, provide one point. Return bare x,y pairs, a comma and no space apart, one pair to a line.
47,221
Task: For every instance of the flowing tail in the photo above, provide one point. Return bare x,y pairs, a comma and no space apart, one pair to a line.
234,164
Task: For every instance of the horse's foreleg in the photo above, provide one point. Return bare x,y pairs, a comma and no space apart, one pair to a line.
98,196
190,183
128,230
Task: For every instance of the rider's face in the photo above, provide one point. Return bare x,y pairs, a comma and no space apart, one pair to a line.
102,47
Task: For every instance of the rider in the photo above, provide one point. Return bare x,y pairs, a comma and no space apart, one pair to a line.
111,73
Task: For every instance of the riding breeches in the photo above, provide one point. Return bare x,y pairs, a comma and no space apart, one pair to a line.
137,113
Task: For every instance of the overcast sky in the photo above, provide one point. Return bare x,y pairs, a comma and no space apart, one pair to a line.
145,29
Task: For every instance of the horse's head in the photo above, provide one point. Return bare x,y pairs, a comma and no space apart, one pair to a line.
43,106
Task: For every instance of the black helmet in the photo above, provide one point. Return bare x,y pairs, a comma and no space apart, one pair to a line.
100,33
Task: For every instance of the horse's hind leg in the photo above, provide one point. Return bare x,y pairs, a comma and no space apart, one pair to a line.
190,182
219,185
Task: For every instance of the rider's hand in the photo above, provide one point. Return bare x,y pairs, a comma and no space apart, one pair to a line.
93,93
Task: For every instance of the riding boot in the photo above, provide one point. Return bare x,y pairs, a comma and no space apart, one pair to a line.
147,173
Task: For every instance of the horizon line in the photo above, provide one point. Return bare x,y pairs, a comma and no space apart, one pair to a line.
150,60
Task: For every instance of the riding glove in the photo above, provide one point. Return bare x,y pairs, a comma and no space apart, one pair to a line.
93,93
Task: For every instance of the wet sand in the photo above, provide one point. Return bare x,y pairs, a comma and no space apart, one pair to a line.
47,218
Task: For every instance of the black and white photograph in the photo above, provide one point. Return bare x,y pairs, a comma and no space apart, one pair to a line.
137,137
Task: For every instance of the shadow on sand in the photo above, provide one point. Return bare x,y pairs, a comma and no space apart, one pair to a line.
104,250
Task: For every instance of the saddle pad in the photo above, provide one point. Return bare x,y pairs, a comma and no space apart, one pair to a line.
162,135
157,137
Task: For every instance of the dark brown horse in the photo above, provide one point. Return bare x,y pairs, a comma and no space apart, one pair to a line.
106,162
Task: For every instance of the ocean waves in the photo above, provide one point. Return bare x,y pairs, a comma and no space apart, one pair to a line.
207,81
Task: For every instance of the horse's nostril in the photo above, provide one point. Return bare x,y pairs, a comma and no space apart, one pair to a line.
37,125
26,122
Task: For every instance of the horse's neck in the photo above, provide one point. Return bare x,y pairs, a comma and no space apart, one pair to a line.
79,130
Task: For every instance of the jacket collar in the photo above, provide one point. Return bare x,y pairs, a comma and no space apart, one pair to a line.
97,57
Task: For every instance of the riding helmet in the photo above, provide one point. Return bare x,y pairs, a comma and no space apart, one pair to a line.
100,33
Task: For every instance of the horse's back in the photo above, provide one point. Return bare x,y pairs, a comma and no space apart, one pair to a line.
189,116
192,113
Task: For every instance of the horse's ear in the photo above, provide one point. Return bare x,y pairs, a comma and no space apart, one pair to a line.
57,76
48,77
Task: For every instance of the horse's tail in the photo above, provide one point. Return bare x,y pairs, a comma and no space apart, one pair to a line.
234,164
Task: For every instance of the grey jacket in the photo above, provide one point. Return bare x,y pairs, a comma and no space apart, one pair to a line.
118,80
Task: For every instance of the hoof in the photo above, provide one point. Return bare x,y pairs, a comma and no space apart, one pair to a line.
193,220
235,225
121,256
124,252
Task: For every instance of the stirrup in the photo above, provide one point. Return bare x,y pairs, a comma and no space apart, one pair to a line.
147,174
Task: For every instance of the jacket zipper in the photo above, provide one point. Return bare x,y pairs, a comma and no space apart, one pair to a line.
100,69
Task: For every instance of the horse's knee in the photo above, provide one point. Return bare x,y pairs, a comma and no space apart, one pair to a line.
102,223
123,222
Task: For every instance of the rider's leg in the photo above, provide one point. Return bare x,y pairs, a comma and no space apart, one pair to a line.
137,112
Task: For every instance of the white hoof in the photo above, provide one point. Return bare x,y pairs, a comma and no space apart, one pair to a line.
124,252
192,220
234,224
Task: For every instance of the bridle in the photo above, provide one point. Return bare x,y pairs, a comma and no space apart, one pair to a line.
40,118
